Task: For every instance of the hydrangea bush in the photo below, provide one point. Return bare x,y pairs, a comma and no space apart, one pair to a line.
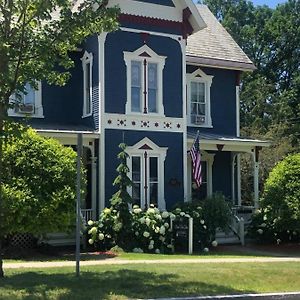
150,230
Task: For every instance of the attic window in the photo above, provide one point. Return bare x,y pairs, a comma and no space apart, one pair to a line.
144,81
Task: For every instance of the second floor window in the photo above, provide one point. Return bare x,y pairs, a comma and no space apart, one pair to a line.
144,81
198,91
87,64
27,103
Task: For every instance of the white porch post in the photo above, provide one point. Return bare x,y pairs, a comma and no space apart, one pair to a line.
256,176
94,185
238,181
233,156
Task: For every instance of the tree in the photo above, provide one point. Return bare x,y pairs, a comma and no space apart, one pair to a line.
36,37
39,190
121,200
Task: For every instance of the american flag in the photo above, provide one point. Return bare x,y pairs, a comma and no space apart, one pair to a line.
196,160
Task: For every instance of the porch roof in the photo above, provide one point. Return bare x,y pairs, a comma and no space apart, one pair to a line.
218,139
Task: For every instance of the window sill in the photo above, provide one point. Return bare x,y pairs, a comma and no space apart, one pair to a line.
129,113
202,126
26,116
86,116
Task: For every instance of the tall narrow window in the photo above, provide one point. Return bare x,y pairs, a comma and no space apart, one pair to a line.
146,163
136,86
87,64
144,81
198,87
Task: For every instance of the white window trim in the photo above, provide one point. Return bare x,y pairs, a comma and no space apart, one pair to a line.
160,153
209,159
38,107
87,58
154,58
207,80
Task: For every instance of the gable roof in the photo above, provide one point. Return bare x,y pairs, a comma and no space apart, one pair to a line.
214,46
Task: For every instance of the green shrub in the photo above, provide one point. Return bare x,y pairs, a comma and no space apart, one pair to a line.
279,216
39,188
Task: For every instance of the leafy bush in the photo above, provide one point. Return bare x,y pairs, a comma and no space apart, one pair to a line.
209,215
38,192
279,216
150,230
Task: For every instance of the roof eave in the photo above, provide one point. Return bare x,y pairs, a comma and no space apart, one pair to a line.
220,63
196,20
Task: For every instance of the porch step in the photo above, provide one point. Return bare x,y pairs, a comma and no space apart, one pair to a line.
59,239
227,238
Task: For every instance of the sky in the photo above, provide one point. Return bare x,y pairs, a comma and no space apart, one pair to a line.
271,3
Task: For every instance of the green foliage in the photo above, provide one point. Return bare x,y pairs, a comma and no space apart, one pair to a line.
38,189
270,97
121,200
280,204
209,215
149,231
37,45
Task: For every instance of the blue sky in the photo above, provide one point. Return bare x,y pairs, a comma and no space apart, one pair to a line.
271,3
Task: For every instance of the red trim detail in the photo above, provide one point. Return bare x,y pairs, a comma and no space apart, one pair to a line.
151,21
187,28
220,147
146,147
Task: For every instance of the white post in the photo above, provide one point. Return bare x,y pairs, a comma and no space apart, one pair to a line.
94,185
238,181
190,235
256,187
233,177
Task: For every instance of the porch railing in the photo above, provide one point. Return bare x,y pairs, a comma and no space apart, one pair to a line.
87,214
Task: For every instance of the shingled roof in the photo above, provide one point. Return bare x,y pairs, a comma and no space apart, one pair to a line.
214,46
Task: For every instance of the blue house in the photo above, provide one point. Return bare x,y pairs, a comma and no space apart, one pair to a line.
169,71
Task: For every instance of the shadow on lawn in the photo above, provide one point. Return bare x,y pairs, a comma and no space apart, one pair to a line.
103,285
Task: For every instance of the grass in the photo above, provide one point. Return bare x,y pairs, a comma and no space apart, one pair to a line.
150,281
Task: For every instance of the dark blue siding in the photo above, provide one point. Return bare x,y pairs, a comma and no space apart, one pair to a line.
222,173
115,70
173,162
223,101
160,2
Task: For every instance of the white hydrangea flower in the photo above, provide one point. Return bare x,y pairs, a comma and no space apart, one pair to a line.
263,225
214,243
172,217
152,205
151,211
156,230
178,210
137,210
204,226
162,230
165,214
151,242
137,233
182,214
142,220
101,225
148,221
135,206
106,211
260,231
93,230
170,246
167,225
156,210
202,222
91,241
146,234
90,223
206,250
108,236
101,236
162,238
187,215
150,247
157,251
158,217
137,250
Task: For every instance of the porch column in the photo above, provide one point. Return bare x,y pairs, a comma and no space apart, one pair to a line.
238,180
94,185
233,156
256,175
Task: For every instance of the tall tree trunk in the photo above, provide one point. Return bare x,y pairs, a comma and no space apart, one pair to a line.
2,113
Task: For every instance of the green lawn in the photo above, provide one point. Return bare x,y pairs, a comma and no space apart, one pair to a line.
142,281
